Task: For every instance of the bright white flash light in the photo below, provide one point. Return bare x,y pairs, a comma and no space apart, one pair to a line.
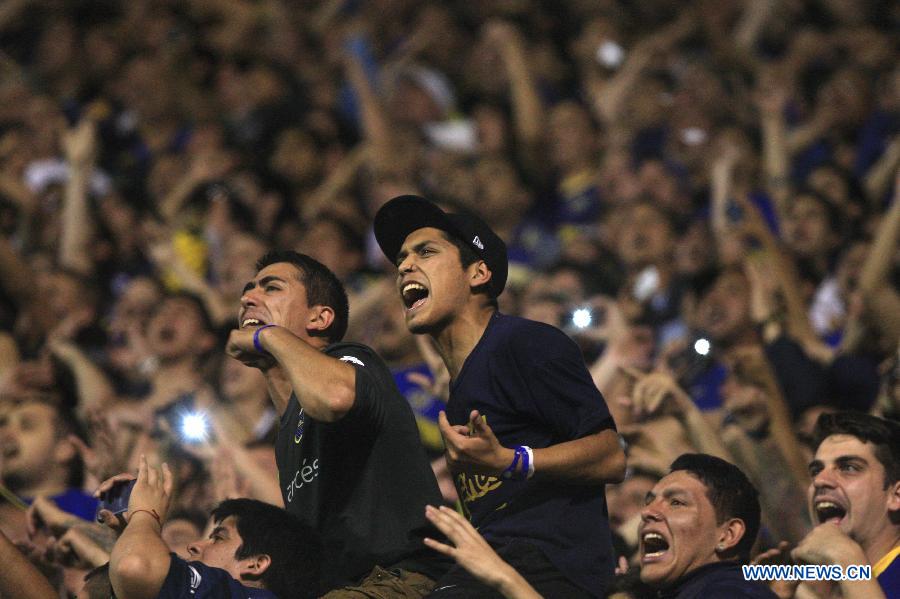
701,346
581,318
194,427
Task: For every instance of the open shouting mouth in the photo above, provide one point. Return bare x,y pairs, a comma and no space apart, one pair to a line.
414,295
654,546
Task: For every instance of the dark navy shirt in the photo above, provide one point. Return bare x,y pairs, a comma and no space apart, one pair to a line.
531,383
195,580
723,579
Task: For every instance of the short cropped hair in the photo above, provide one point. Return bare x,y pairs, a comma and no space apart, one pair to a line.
883,434
468,257
322,287
293,547
729,491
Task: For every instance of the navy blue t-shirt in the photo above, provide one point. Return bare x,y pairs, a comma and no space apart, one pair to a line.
195,580
531,383
722,579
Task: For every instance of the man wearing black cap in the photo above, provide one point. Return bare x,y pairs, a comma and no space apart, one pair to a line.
528,435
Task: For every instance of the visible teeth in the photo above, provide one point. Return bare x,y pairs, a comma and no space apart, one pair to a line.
410,286
653,536
822,505
250,322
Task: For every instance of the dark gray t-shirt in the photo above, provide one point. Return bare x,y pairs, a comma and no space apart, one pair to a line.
362,482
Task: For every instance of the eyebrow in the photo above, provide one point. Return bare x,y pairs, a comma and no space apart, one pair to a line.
405,252
262,282
847,459
840,460
673,491
668,493
219,530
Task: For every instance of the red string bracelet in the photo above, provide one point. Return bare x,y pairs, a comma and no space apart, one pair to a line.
151,512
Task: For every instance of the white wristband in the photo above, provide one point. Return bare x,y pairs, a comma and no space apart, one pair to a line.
530,472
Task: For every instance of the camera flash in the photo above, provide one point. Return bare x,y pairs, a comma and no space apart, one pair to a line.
194,427
702,346
582,318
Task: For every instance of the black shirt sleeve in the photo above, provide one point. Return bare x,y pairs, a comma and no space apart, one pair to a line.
366,405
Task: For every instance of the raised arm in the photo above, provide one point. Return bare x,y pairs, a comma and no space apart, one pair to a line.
528,110
771,100
80,147
204,167
19,577
17,280
324,386
658,394
140,559
875,269
878,179
94,389
473,553
608,96
376,124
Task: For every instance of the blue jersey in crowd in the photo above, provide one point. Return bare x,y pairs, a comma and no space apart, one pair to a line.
196,580
887,571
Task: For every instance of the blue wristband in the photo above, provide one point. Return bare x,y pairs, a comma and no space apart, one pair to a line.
512,472
256,342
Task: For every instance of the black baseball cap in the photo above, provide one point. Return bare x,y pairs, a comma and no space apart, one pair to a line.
407,213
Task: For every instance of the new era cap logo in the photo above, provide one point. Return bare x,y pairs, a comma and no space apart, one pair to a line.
477,243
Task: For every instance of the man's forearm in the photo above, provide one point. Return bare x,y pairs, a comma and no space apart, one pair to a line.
325,386
514,586
594,459
19,577
140,559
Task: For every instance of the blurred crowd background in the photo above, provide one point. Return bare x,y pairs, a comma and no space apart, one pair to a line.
703,194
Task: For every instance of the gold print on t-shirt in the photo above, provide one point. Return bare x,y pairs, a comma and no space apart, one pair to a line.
474,486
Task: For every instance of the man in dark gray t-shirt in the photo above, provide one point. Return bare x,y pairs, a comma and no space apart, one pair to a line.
350,461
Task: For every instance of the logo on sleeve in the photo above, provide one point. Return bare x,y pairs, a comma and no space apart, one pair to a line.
353,359
195,579
301,425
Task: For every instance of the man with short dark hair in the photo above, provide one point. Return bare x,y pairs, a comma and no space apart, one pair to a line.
854,497
528,435
40,458
255,550
350,461
697,528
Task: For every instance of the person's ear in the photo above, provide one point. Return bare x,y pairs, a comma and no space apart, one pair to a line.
730,534
893,502
255,565
479,274
64,451
319,318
